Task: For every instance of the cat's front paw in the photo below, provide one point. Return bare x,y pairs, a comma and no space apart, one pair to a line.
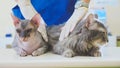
38,52
68,53
97,54
22,53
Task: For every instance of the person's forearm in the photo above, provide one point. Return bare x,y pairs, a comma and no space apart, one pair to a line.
71,23
26,8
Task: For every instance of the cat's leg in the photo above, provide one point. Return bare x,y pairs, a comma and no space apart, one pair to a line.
40,51
22,52
19,50
95,52
68,53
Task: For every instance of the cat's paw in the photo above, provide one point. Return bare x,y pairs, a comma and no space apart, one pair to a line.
97,54
22,53
68,53
38,52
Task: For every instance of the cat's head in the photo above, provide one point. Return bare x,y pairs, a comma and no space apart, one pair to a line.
25,29
97,30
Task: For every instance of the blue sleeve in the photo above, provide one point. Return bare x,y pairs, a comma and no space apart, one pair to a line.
16,11
54,12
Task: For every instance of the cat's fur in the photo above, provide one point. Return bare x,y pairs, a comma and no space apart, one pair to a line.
28,41
83,40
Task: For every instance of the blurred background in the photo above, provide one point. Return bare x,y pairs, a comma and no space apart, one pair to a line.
110,14
6,25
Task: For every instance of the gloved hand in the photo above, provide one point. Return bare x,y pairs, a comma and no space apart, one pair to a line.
29,12
78,14
82,3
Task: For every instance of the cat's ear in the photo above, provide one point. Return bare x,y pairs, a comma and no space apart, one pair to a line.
89,20
36,20
15,20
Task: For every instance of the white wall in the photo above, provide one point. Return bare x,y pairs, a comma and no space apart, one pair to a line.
6,24
113,17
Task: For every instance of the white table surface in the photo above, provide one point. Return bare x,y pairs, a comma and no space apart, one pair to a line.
9,59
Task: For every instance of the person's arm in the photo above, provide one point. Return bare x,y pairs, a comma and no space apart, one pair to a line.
78,14
29,12
81,8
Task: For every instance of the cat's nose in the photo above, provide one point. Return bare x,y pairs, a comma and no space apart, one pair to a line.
22,34
107,39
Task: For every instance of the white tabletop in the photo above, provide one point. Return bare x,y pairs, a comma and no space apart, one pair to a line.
9,59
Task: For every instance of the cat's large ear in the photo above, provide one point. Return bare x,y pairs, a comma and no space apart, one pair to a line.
89,20
36,20
15,20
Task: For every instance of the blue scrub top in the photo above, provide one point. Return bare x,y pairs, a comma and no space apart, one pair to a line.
54,12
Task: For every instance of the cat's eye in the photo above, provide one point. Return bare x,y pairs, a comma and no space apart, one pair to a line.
103,32
18,30
29,30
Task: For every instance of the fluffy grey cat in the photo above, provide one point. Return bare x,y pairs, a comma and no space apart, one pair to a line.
28,41
84,40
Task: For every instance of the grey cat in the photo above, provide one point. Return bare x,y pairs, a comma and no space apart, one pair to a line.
28,41
83,40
